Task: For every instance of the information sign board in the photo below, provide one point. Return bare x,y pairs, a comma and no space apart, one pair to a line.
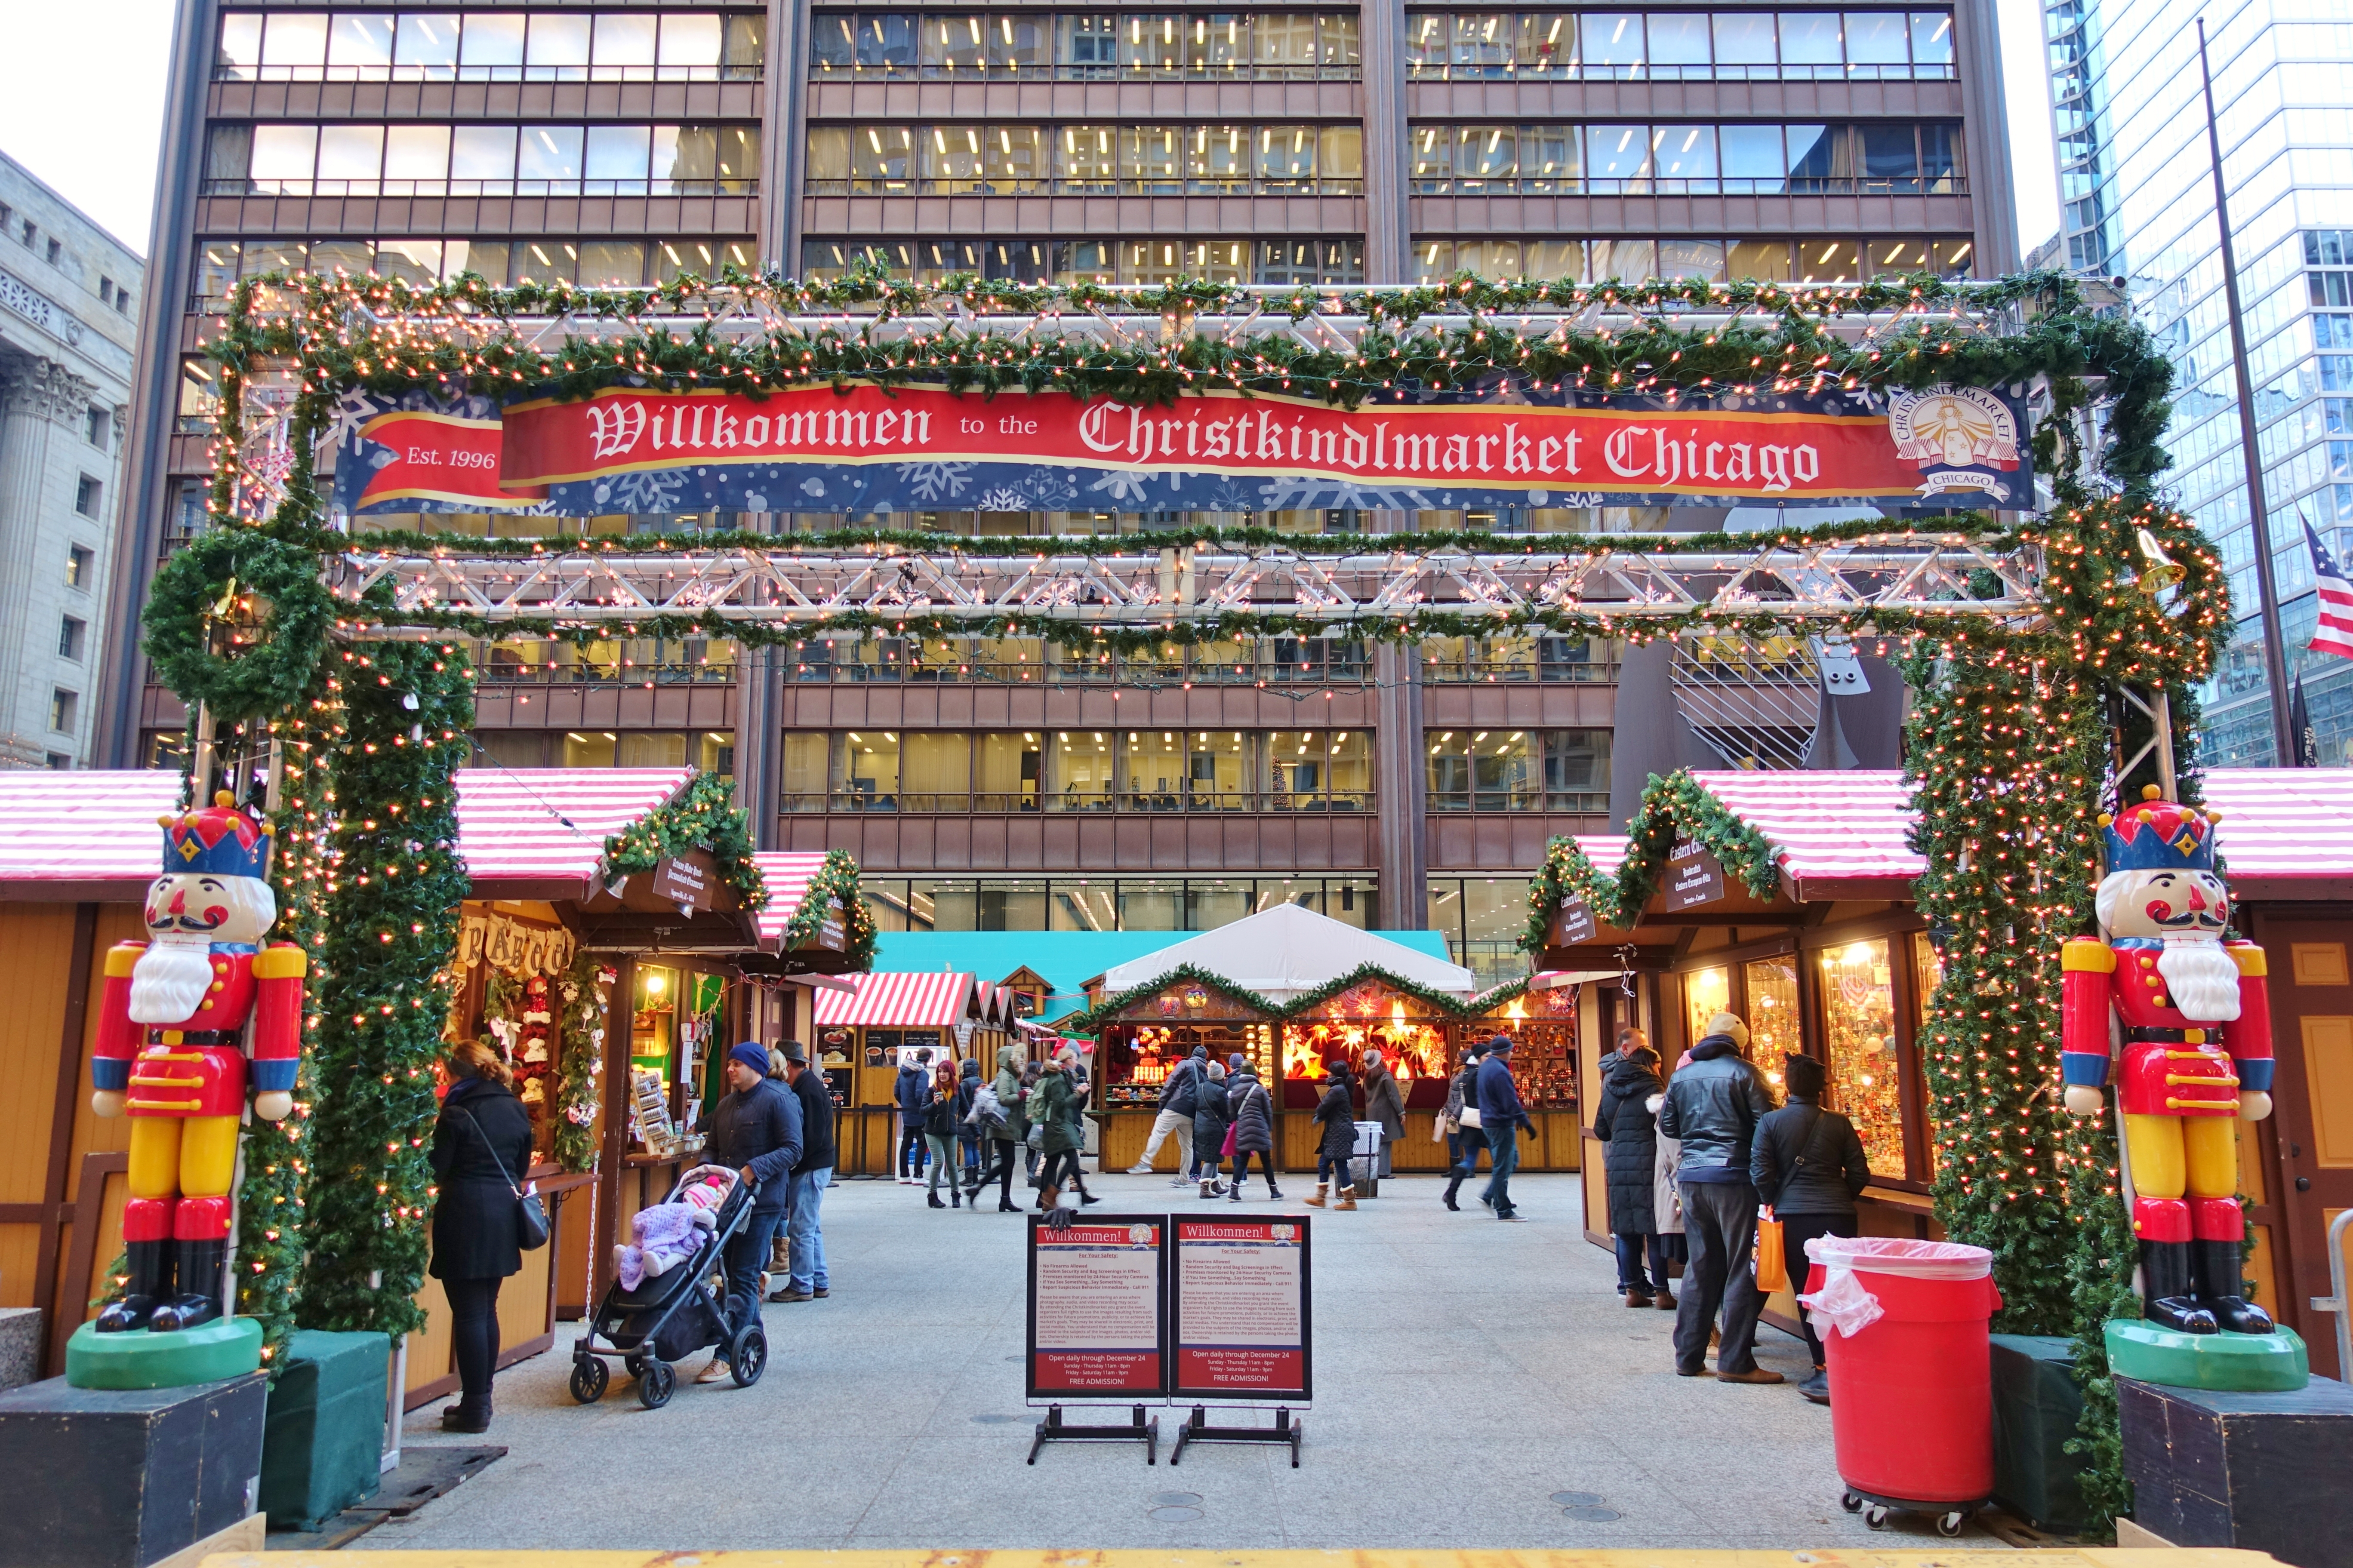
1240,1322
1098,1309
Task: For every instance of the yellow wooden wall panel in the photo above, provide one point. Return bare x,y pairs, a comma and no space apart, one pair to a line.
2328,1073
522,1300
20,1255
92,1132
38,942
429,1347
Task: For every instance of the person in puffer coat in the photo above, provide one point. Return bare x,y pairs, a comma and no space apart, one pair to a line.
1251,1109
1211,1119
1337,1112
1624,1119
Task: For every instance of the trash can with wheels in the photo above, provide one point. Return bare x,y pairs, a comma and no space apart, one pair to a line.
1904,1326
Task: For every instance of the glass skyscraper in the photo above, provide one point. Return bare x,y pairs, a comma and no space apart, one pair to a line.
2136,181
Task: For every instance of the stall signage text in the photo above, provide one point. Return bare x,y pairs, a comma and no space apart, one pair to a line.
1693,876
1572,923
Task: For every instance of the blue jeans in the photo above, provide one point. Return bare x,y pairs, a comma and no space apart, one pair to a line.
746,1255
1503,1143
803,1231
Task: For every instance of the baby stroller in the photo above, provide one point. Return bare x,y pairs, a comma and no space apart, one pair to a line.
672,1314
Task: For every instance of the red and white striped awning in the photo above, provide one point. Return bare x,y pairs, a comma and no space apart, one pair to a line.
937,1000
1605,853
75,837
2286,833
786,876
1835,835
540,833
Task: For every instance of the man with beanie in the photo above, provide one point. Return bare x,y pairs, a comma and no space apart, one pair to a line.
1501,1116
1809,1166
756,1128
812,1174
1713,1107
1180,1098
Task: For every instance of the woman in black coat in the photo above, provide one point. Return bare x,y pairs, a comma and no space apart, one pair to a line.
1337,1112
1624,1119
1211,1116
477,1238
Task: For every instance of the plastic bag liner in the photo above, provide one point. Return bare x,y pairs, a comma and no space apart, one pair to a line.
1847,1305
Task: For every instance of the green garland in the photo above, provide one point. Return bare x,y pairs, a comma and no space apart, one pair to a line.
579,1061
1299,1007
836,879
392,924
1672,808
704,815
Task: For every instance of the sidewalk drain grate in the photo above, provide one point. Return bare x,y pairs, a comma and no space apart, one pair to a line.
1578,1500
1592,1515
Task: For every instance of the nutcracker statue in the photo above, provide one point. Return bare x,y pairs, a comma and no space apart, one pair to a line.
178,1018
2192,1011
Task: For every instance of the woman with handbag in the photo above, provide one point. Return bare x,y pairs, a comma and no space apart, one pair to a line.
1808,1165
481,1157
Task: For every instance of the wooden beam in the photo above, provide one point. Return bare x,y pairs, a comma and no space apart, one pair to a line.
88,1211
67,1091
620,1016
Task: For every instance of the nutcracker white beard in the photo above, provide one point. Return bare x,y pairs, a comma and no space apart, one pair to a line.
168,981
2200,976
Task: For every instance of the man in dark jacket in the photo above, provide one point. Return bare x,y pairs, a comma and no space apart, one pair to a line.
912,1091
1501,1116
1180,1098
1714,1105
811,1175
1809,1165
756,1128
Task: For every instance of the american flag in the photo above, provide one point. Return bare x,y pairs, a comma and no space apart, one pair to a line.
2334,633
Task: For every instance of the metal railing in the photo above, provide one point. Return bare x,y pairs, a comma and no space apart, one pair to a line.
1120,803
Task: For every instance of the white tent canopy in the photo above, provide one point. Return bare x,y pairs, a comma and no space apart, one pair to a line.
1286,952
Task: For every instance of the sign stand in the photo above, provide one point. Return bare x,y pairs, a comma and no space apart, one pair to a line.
1099,1326
1054,1429
1196,1430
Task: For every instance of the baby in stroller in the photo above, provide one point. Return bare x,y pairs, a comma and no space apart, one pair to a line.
668,1300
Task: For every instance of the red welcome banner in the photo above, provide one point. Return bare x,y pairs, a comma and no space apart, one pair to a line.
436,457
877,449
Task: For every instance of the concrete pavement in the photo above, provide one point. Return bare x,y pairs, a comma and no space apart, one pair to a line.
1466,1372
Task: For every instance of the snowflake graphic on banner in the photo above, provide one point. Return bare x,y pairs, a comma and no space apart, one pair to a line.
1001,499
935,481
641,492
1124,484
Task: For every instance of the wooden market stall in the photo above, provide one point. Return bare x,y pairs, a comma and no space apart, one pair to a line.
1290,990
862,1035
1829,958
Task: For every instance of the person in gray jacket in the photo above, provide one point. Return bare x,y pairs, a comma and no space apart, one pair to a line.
1809,1165
1713,1106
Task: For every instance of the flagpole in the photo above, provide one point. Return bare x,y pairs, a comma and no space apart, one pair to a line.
2267,590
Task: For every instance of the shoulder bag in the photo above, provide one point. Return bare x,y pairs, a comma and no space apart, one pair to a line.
531,1220
1771,1259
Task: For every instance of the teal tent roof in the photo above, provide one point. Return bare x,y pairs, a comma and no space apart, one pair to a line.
1068,959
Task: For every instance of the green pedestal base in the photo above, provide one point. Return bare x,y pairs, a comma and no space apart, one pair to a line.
2226,1362
230,1347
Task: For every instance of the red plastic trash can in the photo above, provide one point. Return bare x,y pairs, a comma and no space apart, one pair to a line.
1904,1326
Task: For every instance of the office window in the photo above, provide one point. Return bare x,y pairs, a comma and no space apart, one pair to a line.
1877,157
488,47
27,234
98,426
81,561
1681,46
57,762
56,251
1136,160
86,496
69,637
1517,770
64,707
483,160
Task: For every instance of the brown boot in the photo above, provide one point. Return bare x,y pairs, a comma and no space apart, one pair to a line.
1637,1298
1665,1300
1346,1200
1317,1200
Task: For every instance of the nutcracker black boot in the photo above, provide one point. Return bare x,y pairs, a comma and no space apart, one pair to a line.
149,1265
197,1299
2218,1281
2166,1289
